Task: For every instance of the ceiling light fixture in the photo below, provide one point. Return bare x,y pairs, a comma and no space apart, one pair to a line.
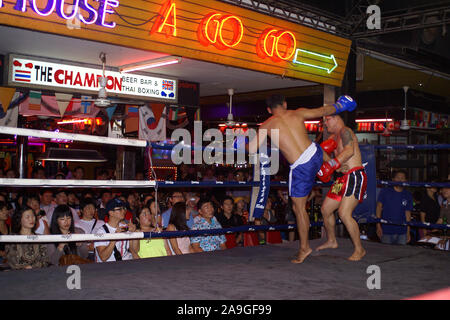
148,64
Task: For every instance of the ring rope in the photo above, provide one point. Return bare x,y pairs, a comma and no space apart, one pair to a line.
191,233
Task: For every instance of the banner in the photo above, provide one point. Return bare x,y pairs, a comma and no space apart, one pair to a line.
9,117
260,193
6,96
77,108
63,100
152,122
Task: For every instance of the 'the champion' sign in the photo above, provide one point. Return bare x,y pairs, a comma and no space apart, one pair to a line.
27,72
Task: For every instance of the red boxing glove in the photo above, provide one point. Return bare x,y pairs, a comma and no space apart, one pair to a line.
327,169
329,146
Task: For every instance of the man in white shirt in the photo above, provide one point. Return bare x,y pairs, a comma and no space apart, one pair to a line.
115,250
88,223
61,198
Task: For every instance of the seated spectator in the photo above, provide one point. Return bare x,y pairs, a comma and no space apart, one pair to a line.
206,220
229,219
11,173
102,175
4,229
241,209
114,250
73,201
267,219
239,192
444,216
209,176
179,245
148,248
63,223
88,223
38,172
60,199
78,173
60,176
429,208
42,226
395,205
176,196
46,201
105,196
25,255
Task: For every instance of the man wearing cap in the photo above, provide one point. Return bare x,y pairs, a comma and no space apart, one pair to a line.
114,250
204,221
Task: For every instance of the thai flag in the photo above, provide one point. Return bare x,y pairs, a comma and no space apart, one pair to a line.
167,85
22,75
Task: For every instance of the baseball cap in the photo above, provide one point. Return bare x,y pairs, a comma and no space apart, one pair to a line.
114,203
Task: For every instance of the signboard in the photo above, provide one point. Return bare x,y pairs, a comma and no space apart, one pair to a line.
205,30
33,73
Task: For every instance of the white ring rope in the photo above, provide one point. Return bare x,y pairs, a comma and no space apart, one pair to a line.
71,237
7,182
72,136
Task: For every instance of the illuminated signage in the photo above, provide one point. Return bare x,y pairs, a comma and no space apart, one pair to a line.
205,30
27,72
331,58
80,8
211,30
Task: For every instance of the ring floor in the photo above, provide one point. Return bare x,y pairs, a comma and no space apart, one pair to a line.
245,273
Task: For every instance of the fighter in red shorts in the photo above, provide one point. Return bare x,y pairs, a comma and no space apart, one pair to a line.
349,189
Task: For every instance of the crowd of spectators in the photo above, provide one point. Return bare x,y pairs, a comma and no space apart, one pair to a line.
68,211
43,211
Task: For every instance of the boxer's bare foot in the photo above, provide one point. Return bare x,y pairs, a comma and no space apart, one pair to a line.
357,255
328,245
301,256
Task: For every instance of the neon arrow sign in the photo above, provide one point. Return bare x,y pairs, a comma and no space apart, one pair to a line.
330,57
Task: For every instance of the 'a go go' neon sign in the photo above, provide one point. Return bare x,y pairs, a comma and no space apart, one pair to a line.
223,31
215,28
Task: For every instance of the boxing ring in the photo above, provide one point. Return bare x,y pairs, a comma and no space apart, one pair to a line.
241,273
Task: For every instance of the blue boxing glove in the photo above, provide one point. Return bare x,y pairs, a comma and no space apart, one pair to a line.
344,103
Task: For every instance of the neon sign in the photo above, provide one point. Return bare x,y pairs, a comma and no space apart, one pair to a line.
211,31
163,19
269,44
306,52
94,16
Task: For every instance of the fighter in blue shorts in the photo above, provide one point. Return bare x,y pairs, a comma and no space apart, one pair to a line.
304,156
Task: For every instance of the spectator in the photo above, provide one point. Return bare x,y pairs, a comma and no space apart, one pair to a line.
25,255
444,216
204,221
179,245
38,173
191,205
105,196
176,196
60,199
241,209
148,248
73,201
229,219
209,176
60,176
46,201
240,193
11,174
4,230
78,173
42,225
88,223
63,223
139,176
102,175
429,207
106,251
395,205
